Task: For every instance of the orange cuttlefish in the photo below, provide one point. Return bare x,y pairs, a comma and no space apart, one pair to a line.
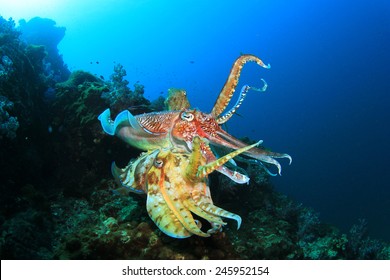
179,125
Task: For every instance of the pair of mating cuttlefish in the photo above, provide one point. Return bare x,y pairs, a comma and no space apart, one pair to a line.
178,143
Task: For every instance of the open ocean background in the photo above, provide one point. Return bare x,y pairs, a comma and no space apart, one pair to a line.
328,101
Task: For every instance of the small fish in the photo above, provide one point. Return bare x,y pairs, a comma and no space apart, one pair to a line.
238,114
137,107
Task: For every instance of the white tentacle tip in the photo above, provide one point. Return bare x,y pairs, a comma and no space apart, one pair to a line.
289,158
239,220
259,142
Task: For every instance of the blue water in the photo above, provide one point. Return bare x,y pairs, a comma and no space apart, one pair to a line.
328,101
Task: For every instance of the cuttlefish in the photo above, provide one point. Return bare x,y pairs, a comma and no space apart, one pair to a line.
178,126
176,186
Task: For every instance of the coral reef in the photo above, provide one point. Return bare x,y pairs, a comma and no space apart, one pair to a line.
361,246
79,98
120,96
44,32
8,124
22,80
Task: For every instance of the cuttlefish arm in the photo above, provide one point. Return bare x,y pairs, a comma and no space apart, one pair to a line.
206,169
244,90
161,214
224,139
210,157
235,176
231,83
192,123
191,204
197,171
164,180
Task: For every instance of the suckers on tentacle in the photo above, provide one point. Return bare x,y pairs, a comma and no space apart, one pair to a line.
231,83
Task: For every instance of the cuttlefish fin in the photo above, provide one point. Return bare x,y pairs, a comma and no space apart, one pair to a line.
128,128
124,118
133,176
126,182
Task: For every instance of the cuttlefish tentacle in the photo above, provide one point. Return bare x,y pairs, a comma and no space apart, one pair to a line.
226,140
256,162
201,195
209,156
204,125
194,208
244,90
182,214
162,215
211,208
195,161
204,202
206,198
235,176
231,83
174,199
206,169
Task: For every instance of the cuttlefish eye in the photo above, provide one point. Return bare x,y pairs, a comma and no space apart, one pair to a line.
158,163
187,116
